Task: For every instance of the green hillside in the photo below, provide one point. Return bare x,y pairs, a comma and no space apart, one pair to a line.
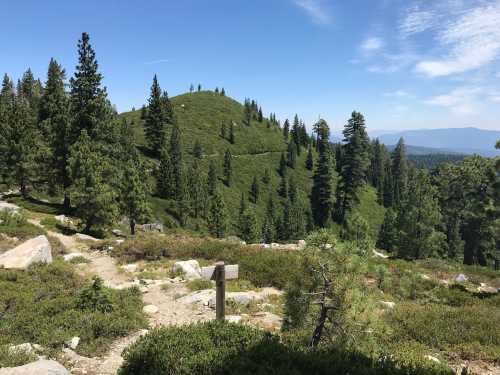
257,147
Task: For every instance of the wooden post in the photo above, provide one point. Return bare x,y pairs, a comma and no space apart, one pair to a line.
220,296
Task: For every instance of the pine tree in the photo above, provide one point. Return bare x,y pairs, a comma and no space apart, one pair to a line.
399,172
55,124
377,170
254,190
191,88
216,90
283,187
223,130
157,118
247,112
217,216
266,178
92,191
286,130
212,179
388,235
296,133
292,155
197,150
175,153
269,225
249,230
356,161
90,108
134,189
282,167
292,190
163,175
223,92
324,179
197,189
228,168
309,159
231,132
260,116
199,87
144,113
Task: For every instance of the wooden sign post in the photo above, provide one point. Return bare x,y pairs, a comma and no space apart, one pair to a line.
220,273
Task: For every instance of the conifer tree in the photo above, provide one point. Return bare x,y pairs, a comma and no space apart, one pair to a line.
134,188
223,130
254,190
356,161
296,133
243,204
269,225
377,170
55,124
156,119
248,112
191,88
282,166
216,90
286,130
283,187
199,87
197,189
292,190
399,172
197,150
309,159
144,113
249,230
324,179
212,178
231,132
175,153
292,155
228,168
223,92
92,191
388,235
266,178
90,108
163,175
260,116
217,216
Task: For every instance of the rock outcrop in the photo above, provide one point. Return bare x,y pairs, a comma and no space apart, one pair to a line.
41,367
189,268
36,250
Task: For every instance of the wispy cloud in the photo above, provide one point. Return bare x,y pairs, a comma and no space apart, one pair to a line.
462,100
372,44
470,41
398,94
160,61
417,20
317,10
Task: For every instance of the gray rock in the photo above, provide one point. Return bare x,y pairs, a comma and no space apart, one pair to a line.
61,218
36,250
190,269
41,367
153,227
70,256
387,305
21,348
117,233
461,278
201,296
9,207
85,237
73,343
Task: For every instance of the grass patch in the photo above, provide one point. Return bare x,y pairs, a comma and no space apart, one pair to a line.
16,225
79,260
199,284
42,306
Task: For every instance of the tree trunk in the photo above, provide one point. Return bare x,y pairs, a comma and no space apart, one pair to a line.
66,203
132,227
318,331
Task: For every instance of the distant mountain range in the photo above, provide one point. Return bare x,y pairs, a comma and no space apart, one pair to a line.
441,141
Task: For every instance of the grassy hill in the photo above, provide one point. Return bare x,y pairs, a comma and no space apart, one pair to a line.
257,147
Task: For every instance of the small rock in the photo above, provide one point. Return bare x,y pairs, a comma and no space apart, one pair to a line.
129,267
487,289
117,233
378,254
73,343
36,250
150,309
40,367
433,359
85,237
234,318
301,244
461,278
387,305
70,256
61,218
9,207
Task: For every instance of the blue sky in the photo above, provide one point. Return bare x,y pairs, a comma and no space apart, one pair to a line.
404,64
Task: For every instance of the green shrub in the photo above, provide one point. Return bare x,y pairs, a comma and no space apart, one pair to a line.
9,358
40,306
16,225
199,284
95,297
226,349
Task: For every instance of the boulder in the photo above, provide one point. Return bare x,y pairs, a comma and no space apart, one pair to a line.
36,250
201,296
153,227
266,320
117,233
378,254
485,289
190,268
61,218
9,207
129,267
301,244
461,278
150,309
41,367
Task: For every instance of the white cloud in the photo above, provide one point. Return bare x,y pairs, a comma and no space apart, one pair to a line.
472,41
462,100
417,21
397,94
372,44
316,9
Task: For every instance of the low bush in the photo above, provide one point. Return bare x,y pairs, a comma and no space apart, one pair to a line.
16,225
226,349
43,305
260,267
199,284
10,358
